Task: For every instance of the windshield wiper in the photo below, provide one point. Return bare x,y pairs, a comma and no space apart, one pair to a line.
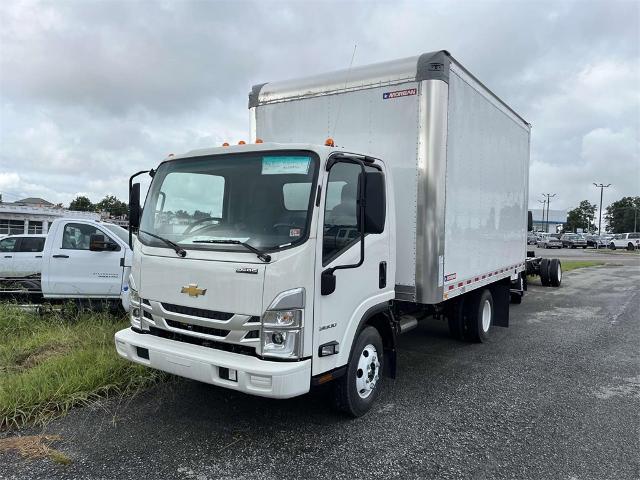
265,257
178,249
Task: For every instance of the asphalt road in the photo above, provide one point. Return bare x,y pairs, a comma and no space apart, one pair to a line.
554,396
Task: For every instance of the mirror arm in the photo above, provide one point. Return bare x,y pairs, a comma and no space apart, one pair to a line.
151,173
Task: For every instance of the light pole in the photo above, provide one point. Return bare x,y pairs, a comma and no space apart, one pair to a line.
549,197
601,186
543,202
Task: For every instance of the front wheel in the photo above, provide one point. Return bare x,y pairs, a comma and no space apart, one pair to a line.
356,391
630,247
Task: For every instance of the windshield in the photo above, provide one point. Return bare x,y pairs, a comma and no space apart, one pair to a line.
263,199
118,231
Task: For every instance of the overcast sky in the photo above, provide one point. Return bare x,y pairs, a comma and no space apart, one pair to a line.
93,91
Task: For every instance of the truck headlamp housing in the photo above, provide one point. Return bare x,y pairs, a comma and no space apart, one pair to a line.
282,325
134,308
282,318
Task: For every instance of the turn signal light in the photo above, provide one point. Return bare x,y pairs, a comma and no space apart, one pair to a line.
329,142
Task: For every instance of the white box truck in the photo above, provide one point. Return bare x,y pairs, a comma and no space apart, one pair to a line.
281,264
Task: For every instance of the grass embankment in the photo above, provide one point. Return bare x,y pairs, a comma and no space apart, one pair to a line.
568,265
50,363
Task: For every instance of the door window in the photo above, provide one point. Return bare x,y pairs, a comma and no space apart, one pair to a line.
8,244
340,219
76,236
31,244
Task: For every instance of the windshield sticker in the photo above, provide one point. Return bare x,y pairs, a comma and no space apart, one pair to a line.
399,93
294,232
285,165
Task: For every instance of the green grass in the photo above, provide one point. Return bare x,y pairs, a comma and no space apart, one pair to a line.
568,265
53,362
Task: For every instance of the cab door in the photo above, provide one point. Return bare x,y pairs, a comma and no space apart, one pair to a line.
27,258
336,315
76,271
7,247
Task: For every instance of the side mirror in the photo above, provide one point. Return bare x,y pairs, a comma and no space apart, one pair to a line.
375,202
97,243
529,221
134,206
327,282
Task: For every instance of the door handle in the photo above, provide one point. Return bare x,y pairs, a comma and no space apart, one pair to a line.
38,256
8,256
60,256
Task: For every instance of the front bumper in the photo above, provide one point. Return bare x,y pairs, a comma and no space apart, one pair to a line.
254,376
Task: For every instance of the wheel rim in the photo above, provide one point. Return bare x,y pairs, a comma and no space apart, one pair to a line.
368,371
559,273
486,316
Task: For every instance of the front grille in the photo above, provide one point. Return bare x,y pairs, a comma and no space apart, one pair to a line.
197,312
179,337
216,332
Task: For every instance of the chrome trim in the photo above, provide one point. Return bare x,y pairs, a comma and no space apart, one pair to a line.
289,299
432,161
238,325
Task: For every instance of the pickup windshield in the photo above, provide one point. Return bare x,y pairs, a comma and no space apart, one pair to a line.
202,203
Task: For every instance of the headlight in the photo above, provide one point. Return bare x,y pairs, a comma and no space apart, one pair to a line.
282,333
282,318
134,309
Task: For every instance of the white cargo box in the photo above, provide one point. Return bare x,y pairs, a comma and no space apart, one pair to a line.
459,158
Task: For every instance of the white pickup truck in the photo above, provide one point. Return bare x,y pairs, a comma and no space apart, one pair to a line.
80,259
630,241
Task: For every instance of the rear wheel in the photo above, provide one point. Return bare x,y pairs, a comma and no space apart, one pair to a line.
480,315
357,389
544,272
630,247
612,246
555,272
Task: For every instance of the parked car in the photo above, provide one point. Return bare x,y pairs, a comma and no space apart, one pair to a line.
573,240
21,255
598,241
532,238
549,240
630,241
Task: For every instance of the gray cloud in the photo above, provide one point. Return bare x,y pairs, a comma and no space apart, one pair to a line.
92,91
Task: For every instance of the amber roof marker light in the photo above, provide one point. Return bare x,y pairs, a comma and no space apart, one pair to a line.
225,144
329,142
259,140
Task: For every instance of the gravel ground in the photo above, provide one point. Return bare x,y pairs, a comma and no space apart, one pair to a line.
555,396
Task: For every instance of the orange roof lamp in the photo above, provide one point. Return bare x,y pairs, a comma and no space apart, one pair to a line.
259,140
329,142
225,144
242,142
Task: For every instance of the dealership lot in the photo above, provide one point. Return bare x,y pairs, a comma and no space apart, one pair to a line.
556,395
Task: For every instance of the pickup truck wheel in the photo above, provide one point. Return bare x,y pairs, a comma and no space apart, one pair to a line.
630,247
555,272
480,315
358,388
612,246
544,272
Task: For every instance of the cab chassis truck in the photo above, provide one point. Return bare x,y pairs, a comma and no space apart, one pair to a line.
284,263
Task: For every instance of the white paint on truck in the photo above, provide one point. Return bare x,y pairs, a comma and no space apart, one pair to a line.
435,163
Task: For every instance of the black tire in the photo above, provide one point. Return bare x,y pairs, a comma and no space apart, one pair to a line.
346,396
555,272
584,247
544,272
630,247
479,330
612,246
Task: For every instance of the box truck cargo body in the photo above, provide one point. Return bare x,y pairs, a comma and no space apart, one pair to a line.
459,156
291,261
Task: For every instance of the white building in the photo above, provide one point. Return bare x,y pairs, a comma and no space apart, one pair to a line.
34,215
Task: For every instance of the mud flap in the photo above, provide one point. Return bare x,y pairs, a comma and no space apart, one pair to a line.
501,300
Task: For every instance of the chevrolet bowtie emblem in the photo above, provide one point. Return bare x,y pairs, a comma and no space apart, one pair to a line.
193,290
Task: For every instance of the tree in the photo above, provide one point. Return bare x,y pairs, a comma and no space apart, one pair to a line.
623,215
581,217
81,204
111,204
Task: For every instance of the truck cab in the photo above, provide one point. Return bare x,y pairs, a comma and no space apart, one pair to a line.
276,243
